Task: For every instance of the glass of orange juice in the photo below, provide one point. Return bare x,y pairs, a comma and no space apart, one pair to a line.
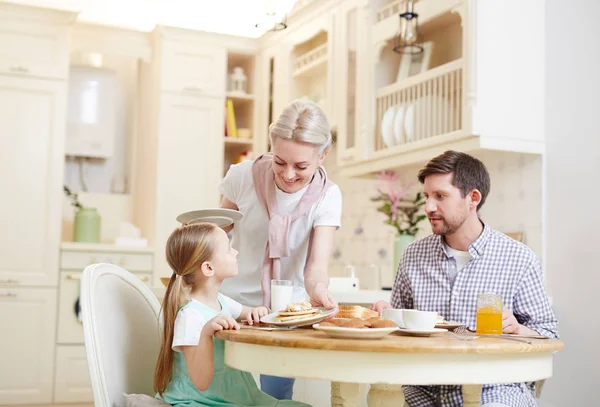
489,314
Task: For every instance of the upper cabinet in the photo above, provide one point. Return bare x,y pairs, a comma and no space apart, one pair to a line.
190,68
34,42
476,85
300,63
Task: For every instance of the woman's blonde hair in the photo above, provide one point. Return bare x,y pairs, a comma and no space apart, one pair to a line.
302,121
187,248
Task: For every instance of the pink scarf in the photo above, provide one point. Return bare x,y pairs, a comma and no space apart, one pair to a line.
279,226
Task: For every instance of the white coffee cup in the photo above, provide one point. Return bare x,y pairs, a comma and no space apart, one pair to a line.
393,314
419,320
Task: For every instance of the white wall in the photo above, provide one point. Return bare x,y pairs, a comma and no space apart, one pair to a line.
572,218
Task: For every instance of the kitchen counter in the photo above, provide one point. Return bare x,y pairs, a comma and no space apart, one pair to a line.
343,297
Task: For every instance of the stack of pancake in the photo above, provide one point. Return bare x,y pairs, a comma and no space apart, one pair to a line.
297,311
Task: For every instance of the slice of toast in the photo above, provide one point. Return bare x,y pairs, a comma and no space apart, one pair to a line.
355,311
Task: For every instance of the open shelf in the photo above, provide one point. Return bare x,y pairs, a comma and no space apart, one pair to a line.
244,109
238,97
308,63
239,141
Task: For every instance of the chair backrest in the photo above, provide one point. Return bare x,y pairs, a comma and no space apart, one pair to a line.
121,330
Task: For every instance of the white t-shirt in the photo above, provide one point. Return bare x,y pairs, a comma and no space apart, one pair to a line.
461,258
250,234
189,323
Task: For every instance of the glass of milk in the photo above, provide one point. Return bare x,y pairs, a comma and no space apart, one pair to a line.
281,294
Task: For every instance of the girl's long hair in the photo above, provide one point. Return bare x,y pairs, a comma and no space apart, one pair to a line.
187,248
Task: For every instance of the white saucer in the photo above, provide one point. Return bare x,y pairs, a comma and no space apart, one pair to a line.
418,332
219,216
450,325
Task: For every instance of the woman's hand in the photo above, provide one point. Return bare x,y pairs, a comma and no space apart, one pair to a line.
218,323
254,314
320,297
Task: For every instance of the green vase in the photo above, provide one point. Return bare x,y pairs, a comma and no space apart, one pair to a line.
401,242
86,226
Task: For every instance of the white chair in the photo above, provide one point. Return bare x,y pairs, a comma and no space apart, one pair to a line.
121,330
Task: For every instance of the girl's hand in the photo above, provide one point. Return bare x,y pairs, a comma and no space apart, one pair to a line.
254,314
218,323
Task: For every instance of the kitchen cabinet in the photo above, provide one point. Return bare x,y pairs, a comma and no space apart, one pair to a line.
34,41
471,90
180,157
32,130
72,382
28,321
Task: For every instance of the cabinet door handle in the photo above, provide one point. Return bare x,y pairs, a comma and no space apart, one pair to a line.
8,294
8,281
18,68
192,89
73,276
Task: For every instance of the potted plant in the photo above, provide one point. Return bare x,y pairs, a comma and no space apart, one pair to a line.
86,224
403,212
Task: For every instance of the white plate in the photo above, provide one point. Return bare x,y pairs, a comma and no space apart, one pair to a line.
354,333
220,216
449,325
387,126
270,318
418,332
399,125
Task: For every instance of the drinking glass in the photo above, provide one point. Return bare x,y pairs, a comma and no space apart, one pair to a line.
489,313
281,294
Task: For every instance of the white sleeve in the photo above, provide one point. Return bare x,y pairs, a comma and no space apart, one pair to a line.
329,211
231,185
188,325
234,306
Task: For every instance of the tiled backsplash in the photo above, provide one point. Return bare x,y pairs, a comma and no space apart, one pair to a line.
366,243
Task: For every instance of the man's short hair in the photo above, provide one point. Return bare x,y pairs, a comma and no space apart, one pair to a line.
468,172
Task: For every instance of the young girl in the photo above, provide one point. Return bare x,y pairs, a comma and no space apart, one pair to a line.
190,370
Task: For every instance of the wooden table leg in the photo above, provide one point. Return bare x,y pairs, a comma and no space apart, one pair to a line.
385,395
472,395
345,394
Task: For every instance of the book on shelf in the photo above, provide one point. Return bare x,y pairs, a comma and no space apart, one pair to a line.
230,124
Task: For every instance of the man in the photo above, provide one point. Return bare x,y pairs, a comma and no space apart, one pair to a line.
464,257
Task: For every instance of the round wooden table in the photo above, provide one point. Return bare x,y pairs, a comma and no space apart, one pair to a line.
389,362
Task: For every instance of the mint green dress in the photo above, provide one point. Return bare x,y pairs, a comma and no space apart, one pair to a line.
229,387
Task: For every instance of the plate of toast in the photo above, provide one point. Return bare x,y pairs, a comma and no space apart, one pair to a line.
298,314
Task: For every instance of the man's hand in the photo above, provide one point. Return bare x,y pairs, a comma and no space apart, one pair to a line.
254,314
320,297
380,306
510,325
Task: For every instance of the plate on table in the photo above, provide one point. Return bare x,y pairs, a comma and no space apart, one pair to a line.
219,216
354,333
449,325
309,320
419,332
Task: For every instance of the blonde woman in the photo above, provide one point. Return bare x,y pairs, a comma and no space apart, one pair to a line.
190,370
291,211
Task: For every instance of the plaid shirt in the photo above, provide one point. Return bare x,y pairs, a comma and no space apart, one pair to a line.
500,265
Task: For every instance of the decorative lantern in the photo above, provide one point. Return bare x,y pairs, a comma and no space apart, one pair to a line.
238,80
408,40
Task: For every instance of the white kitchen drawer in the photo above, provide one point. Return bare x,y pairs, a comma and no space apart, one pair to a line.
70,328
36,50
72,382
132,262
192,68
